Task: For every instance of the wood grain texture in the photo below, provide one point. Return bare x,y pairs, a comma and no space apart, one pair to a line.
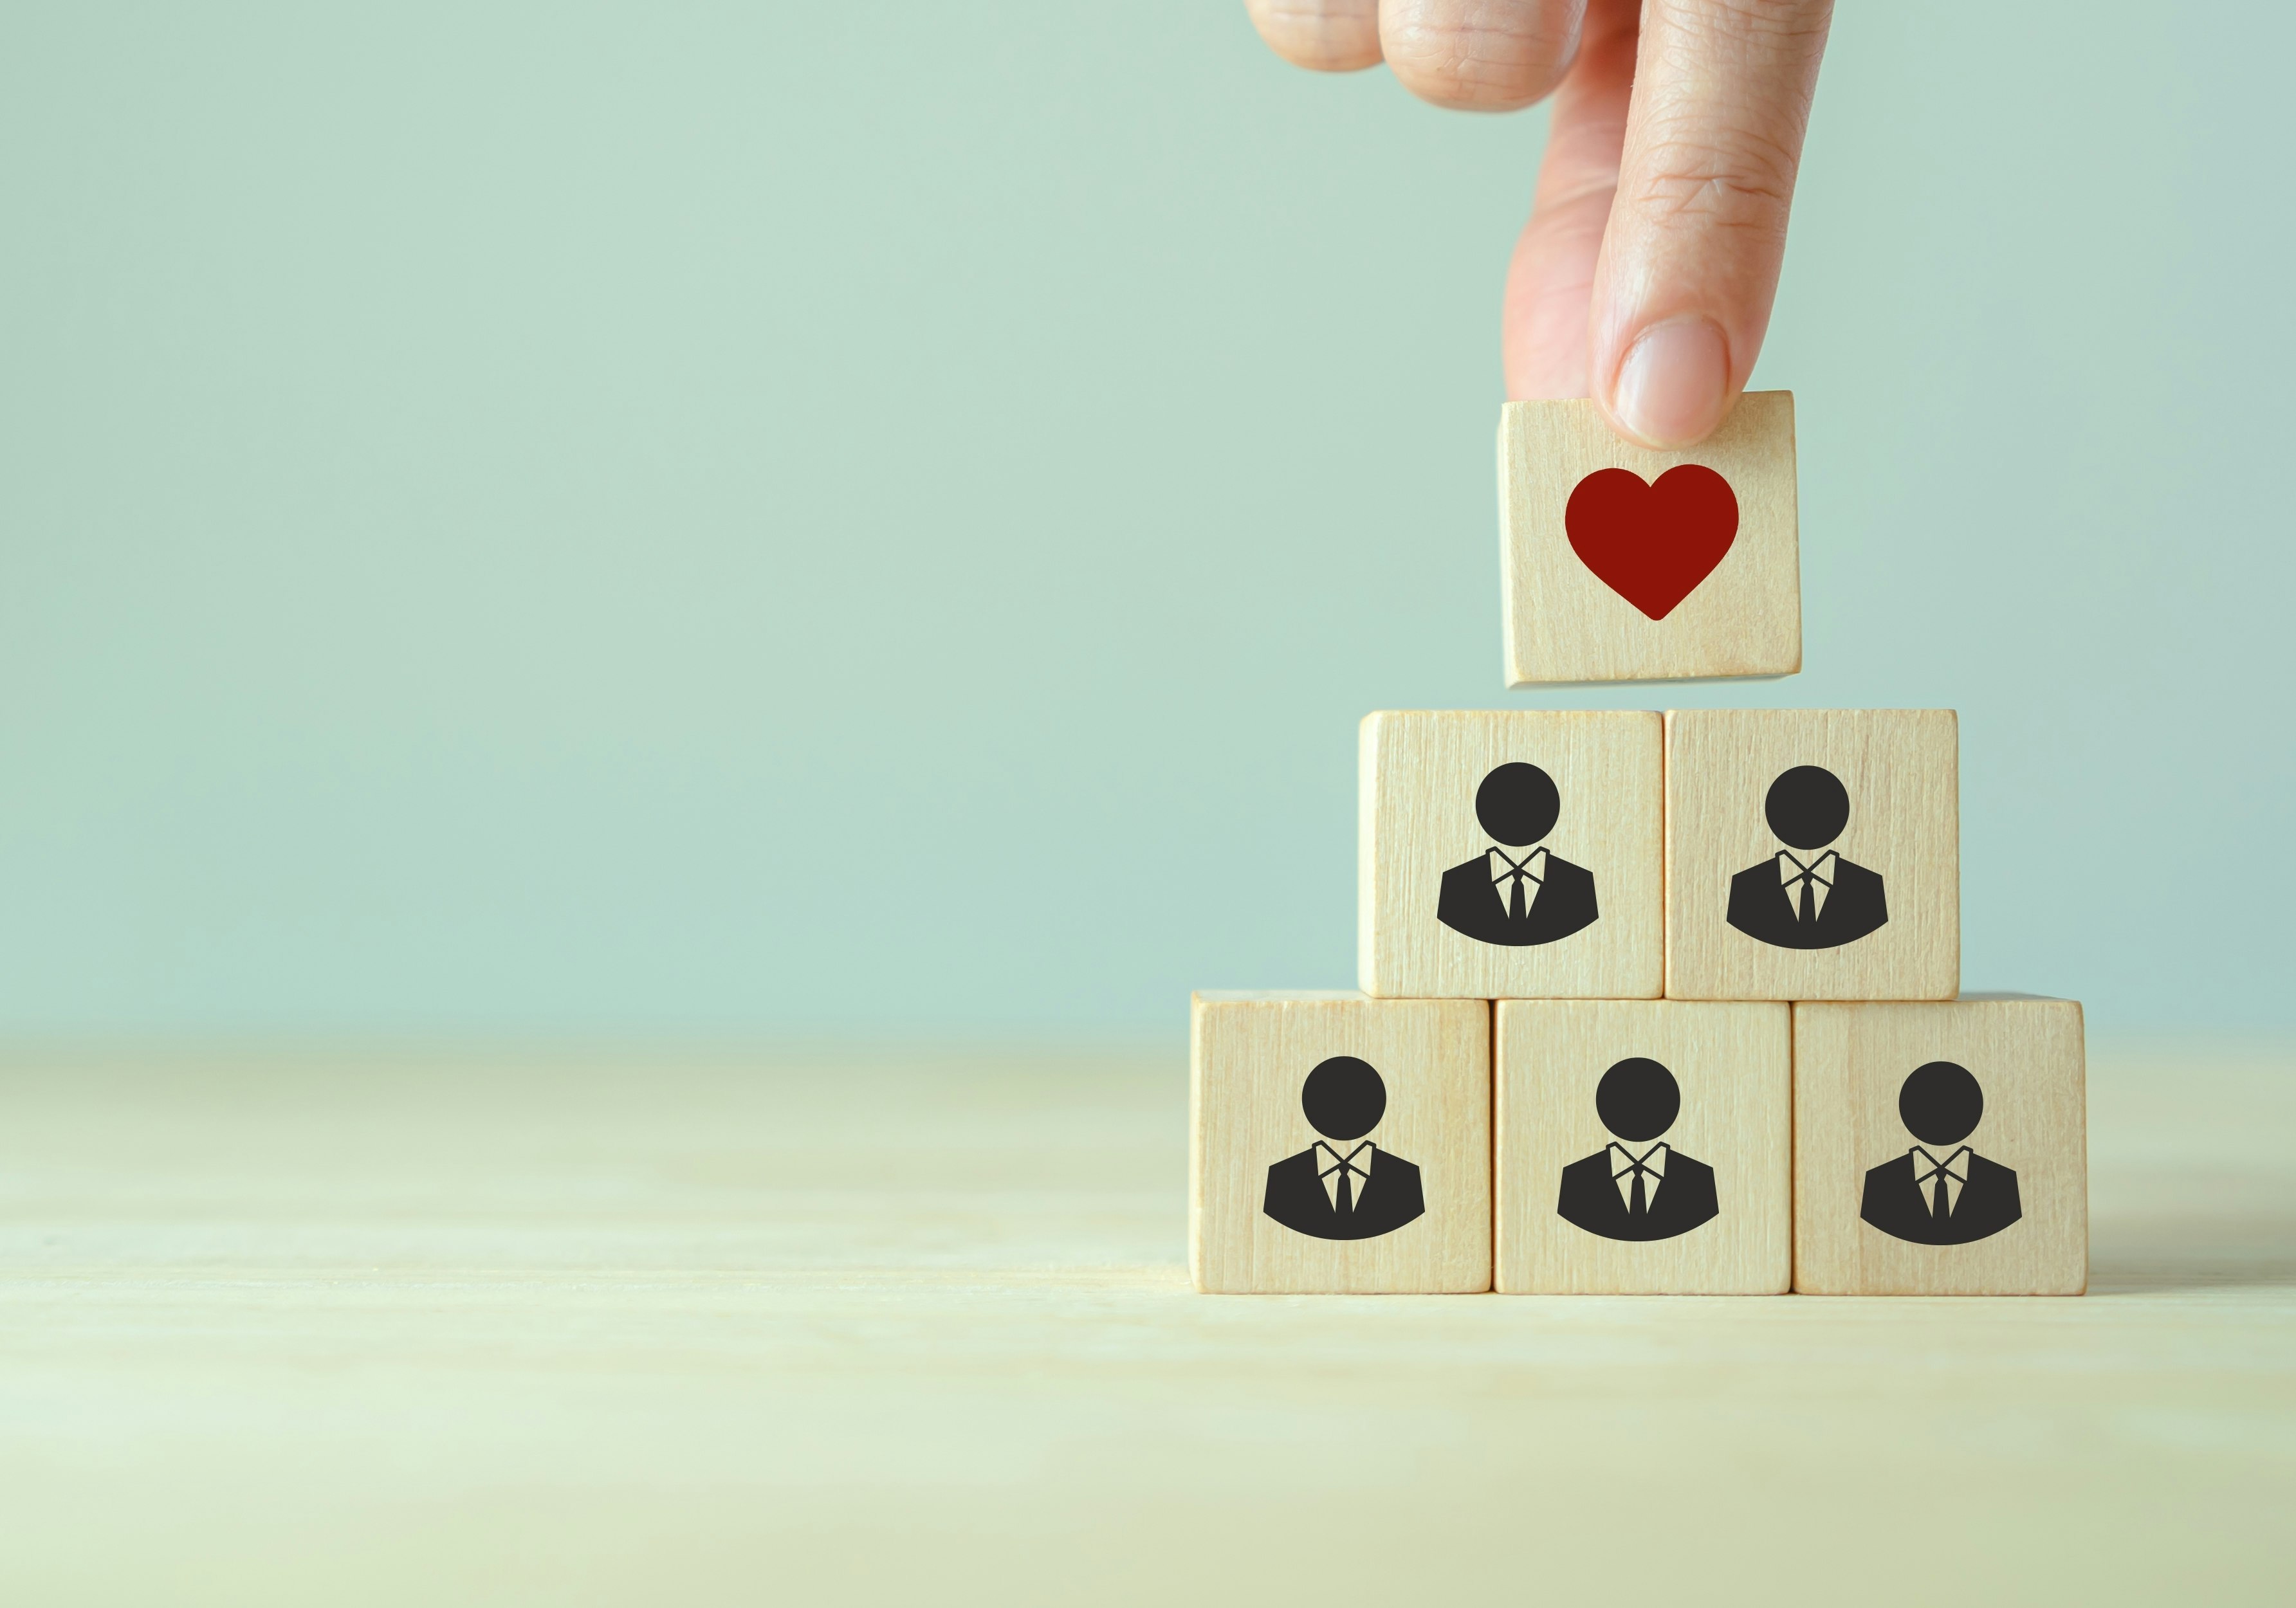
1733,1064
1250,1053
1850,1062
1901,771
1563,623
1416,819
853,1323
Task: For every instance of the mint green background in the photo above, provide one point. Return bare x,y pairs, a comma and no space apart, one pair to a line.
743,518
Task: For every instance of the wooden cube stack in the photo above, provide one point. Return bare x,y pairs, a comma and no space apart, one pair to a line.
1648,1004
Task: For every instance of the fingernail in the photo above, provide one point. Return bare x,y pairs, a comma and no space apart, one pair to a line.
1674,382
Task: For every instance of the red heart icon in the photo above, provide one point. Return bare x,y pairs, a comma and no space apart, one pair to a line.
1651,541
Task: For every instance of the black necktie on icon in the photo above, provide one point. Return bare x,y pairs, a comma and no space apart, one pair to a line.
1518,901
1941,1207
1806,905
1638,1196
1344,1203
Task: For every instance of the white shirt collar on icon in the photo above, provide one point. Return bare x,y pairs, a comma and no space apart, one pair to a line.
1532,864
1330,1162
1623,1162
1820,873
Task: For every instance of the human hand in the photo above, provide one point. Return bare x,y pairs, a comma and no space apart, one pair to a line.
1645,275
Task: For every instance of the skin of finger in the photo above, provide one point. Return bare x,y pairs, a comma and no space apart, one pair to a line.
1544,330
1714,136
1479,55
1324,35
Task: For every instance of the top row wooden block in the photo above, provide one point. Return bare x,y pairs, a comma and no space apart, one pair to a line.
1622,564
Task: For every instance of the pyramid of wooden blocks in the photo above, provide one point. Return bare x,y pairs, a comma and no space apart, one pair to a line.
1651,1005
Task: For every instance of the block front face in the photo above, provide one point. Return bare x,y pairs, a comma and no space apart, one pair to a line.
1643,1148
1511,854
1623,564
1340,1144
1984,1097
1813,854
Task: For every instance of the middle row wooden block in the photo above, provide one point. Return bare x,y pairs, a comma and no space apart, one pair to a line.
1706,854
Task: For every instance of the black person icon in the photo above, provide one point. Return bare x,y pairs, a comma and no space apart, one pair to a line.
1820,903
1335,1190
1935,1193
1621,1196
1527,896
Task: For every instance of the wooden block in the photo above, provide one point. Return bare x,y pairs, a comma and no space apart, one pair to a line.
1858,809
1453,803
1993,1089
1339,1142
1621,564
1590,1093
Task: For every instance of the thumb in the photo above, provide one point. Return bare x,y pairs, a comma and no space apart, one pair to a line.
1690,257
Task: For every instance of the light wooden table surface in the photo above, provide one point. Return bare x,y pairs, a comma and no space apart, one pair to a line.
355,1329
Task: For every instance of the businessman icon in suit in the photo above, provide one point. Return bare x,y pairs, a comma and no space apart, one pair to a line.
1621,1194
1343,1186
1821,902
1514,893
1940,1192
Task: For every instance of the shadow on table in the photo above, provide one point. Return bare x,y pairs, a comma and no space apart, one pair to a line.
2160,1254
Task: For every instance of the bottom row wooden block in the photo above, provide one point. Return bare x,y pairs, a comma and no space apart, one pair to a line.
1342,1142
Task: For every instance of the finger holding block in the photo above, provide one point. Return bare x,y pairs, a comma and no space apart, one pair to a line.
1940,1149
1340,1144
1813,854
1511,854
1623,564
1643,1148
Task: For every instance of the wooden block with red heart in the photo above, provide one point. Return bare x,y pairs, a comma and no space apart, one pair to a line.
1623,564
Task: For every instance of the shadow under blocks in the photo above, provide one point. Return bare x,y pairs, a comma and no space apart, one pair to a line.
1650,1003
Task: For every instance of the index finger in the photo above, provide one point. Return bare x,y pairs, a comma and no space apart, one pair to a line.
1697,230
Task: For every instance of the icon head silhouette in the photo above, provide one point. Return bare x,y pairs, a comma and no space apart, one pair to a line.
1808,806
1518,804
1638,1099
1940,1102
1343,1098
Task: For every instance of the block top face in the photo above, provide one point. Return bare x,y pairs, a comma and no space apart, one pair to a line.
1645,1147
1339,1144
1987,1097
1511,854
1813,854
1619,563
